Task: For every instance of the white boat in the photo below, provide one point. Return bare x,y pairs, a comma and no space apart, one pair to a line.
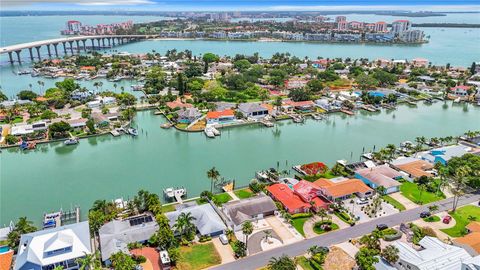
457,100
215,131
209,132
317,116
132,131
137,87
298,119
71,141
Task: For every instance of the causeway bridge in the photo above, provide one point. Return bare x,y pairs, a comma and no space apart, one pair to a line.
70,44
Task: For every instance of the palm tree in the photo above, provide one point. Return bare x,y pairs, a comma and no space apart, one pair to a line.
381,190
229,233
433,208
213,175
247,229
458,184
422,183
390,254
282,263
322,213
86,262
184,224
268,235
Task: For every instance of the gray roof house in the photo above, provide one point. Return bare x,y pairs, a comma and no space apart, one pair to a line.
254,110
444,154
117,234
253,208
206,220
50,248
188,115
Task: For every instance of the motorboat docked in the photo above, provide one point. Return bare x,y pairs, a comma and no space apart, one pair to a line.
176,193
28,145
52,220
23,72
317,116
267,175
132,131
71,141
215,131
298,119
209,132
166,125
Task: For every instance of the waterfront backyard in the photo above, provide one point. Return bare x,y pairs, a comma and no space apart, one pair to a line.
111,167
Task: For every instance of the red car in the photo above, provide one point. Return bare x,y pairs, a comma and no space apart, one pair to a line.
447,219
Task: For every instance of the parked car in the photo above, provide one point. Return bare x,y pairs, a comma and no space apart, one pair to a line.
223,238
447,219
362,201
382,227
425,214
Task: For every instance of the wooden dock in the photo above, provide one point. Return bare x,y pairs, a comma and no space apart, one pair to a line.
347,112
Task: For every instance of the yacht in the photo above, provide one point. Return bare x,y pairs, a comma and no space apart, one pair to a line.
132,131
71,141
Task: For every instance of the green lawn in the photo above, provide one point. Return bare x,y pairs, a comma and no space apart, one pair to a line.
298,224
221,198
318,230
393,202
461,216
198,256
168,208
312,178
432,219
243,193
411,192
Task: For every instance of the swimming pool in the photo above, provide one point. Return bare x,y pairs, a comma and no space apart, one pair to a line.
4,249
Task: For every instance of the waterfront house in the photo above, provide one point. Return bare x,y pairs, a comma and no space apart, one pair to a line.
460,91
342,188
381,175
311,168
304,106
221,117
117,234
311,194
78,123
99,101
444,154
9,103
188,115
252,110
471,241
292,203
178,105
60,246
413,167
81,95
222,105
420,62
206,219
103,119
24,129
433,254
251,209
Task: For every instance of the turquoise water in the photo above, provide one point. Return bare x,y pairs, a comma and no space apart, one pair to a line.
55,175
4,249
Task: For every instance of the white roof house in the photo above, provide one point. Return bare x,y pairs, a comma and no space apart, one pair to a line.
54,247
206,220
471,264
434,255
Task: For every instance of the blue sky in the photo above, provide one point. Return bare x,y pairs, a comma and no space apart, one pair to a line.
229,5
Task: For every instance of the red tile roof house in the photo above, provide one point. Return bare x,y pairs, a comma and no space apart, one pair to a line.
459,90
177,104
220,117
311,193
292,202
307,105
311,168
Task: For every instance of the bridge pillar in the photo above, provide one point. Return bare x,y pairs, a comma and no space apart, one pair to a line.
31,54
71,47
10,57
93,44
113,41
64,48
108,40
78,45
38,53
18,56
99,44
48,50
103,42
55,47
84,46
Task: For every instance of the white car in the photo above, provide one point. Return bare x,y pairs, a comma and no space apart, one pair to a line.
223,238
362,201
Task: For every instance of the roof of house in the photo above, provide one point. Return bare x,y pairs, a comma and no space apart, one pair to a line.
206,220
33,246
251,107
474,226
382,175
6,260
242,210
472,239
218,114
189,113
178,104
413,166
287,197
307,190
446,153
313,168
342,188
434,255
116,234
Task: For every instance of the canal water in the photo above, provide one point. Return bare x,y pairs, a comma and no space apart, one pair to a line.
54,175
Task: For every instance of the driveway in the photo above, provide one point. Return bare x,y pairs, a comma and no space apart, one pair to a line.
437,226
403,200
254,241
339,236
283,232
225,251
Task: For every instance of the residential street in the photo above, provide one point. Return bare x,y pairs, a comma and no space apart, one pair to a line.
339,236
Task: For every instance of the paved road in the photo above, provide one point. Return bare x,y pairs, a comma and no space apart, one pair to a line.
261,259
